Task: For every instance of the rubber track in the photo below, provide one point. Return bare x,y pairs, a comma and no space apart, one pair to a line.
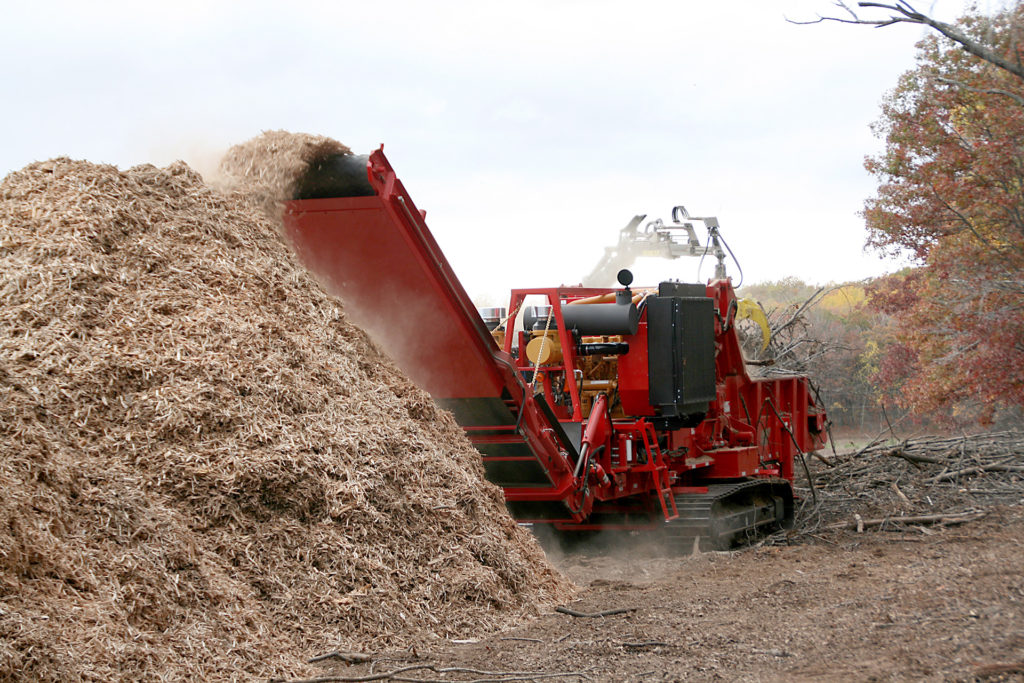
703,515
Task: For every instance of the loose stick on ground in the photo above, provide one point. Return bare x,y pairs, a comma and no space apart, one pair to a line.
975,470
350,657
504,679
898,453
395,675
960,518
991,670
383,676
592,615
902,496
646,643
525,640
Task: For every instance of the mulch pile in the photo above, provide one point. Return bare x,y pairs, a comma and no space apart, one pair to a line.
927,480
207,472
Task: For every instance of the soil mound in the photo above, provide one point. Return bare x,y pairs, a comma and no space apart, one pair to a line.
207,472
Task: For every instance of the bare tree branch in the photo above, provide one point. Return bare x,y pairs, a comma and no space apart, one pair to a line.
984,91
906,14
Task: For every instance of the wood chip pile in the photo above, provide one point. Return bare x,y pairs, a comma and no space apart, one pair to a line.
206,472
890,484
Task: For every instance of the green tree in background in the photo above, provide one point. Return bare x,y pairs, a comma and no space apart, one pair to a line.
951,197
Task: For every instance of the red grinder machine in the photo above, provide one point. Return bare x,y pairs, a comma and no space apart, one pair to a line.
593,408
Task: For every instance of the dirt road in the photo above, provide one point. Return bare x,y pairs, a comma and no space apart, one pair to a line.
920,604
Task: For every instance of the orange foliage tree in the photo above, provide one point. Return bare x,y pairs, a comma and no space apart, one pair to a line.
951,197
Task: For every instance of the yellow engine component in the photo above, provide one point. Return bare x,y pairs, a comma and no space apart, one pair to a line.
599,375
748,308
544,350
604,385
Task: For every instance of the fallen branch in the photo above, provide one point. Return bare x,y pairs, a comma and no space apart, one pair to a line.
511,676
350,657
957,518
998,670
909,457
902,496
976,470
394,675
773,652
527,640
592,615
361,679
646,643
827,461
525,676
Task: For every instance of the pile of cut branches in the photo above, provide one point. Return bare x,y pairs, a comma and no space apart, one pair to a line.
792,346
920,480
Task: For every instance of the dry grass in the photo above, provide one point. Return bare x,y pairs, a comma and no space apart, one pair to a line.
208,473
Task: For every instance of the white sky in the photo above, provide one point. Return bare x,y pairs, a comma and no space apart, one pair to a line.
531,132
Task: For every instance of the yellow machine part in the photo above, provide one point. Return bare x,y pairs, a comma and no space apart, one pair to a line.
599,376
544,350
748,308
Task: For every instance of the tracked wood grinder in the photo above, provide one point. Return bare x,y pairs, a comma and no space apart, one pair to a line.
593,408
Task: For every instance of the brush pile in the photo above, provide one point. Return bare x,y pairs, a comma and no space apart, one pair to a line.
923,480
207,472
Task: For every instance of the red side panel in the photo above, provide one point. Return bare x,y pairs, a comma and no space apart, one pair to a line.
377,254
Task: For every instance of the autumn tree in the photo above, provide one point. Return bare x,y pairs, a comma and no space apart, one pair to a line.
951,197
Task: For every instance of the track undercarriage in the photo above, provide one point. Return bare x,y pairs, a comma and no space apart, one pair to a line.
723,517
730,514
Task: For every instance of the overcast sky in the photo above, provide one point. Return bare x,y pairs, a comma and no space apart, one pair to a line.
530,131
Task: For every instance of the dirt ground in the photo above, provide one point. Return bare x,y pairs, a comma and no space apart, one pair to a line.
934,604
